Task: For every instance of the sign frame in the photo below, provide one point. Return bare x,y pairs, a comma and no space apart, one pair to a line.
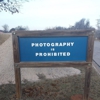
88,64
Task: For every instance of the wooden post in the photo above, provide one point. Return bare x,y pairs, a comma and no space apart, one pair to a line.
18,83
87,82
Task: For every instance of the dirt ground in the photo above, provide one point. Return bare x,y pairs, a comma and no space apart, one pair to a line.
3,37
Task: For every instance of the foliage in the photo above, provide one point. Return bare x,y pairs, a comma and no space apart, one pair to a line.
81,24
98,24
97,35
5,28
12,6
57,28
11,30
18,28
21,28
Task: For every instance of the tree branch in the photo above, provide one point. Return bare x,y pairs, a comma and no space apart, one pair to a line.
12,6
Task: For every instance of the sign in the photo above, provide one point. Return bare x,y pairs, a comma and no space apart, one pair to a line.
51,49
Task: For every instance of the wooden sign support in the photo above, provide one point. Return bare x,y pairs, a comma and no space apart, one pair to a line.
20,62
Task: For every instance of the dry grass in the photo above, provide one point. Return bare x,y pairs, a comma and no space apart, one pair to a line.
59,89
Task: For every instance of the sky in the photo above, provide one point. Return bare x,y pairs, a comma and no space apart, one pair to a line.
43,14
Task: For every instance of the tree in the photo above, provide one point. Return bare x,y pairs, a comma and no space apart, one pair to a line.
21,28
98,24
11,30
12,6
82,24
57,28
97,35
60,28
5,28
